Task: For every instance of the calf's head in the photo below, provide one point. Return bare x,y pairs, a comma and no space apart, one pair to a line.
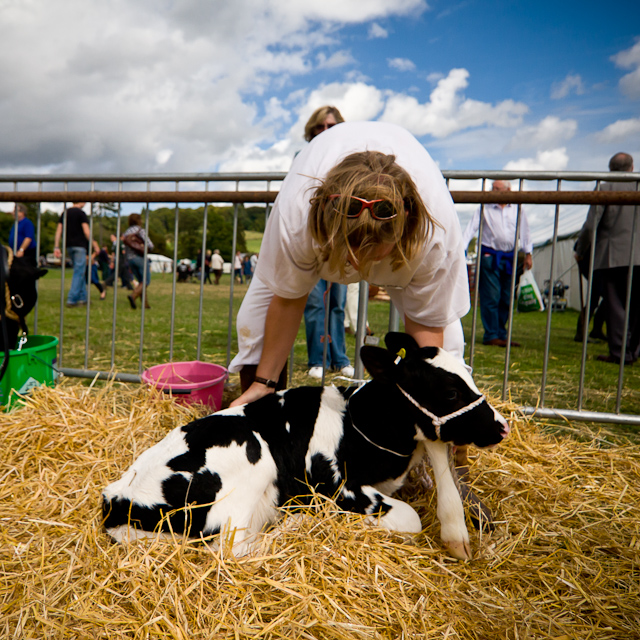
434,386
19,294
22,285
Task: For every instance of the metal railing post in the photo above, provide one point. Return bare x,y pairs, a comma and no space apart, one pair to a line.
476,282
361,330
627,306
547,335
512,297
233,279
145,284
116,278
176,232
203,257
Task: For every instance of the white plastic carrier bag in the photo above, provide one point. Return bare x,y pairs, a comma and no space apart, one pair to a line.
529,298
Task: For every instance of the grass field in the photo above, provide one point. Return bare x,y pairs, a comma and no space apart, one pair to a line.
253,240
525,369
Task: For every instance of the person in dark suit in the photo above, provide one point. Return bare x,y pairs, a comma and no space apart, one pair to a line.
597,309
612,226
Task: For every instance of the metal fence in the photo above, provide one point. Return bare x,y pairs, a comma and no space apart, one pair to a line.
237,188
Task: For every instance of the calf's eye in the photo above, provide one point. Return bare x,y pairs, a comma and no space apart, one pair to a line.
452,395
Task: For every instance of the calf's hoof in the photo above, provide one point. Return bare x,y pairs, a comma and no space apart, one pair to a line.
459,550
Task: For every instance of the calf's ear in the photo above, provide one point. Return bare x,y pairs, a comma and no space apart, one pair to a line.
396,341
379,363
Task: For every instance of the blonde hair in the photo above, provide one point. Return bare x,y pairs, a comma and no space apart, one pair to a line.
317,118
370,175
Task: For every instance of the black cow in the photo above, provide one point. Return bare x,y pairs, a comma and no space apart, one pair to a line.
233,469
19,296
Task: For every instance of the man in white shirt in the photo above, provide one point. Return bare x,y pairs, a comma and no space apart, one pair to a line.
498,242
217,264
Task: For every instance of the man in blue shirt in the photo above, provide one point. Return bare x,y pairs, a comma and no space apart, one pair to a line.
25,245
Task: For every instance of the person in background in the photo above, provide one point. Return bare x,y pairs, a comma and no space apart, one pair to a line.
104,260
95,279
77,244
237,266
247,269
141,271
207,266
24,246
363,201
614,224
325,295
496,262
597,309
321,119
217,264
123,267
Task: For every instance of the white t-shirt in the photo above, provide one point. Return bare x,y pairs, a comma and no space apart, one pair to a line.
433,290
499,231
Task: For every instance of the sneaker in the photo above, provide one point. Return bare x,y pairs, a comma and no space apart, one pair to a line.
348,371
315,372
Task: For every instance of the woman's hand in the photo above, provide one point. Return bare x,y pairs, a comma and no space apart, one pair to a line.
281,327
253,393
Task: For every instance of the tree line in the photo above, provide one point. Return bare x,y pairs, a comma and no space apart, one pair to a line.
161,227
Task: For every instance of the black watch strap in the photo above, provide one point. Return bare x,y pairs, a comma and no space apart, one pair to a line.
268,383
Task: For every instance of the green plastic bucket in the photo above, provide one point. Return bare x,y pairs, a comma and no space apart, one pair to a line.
32,366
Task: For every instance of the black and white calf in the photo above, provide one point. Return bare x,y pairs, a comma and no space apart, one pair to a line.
233,469
19,295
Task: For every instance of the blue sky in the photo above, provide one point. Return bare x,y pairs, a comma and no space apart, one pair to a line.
205,85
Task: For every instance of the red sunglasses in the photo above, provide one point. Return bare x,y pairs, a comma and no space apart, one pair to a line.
383,210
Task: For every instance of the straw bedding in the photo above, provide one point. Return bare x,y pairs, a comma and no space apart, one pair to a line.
563,562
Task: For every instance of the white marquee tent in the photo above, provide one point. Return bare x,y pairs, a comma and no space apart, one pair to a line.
160,264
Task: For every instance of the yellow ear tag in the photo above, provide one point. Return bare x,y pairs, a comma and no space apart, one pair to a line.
401,354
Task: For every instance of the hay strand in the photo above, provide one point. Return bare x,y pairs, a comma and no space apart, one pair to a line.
563,562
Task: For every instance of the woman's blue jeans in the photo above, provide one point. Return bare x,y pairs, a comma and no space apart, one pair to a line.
314,325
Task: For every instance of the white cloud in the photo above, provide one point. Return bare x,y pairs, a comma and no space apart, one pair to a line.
401,64
572,83
628,59
447,111
620,131
435,77
163,156
554,160
355,101
335,60
113,86
547,133
376,31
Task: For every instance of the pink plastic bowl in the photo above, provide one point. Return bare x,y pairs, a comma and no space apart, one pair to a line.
189,382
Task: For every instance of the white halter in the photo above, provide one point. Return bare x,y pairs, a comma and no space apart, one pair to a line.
440,420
